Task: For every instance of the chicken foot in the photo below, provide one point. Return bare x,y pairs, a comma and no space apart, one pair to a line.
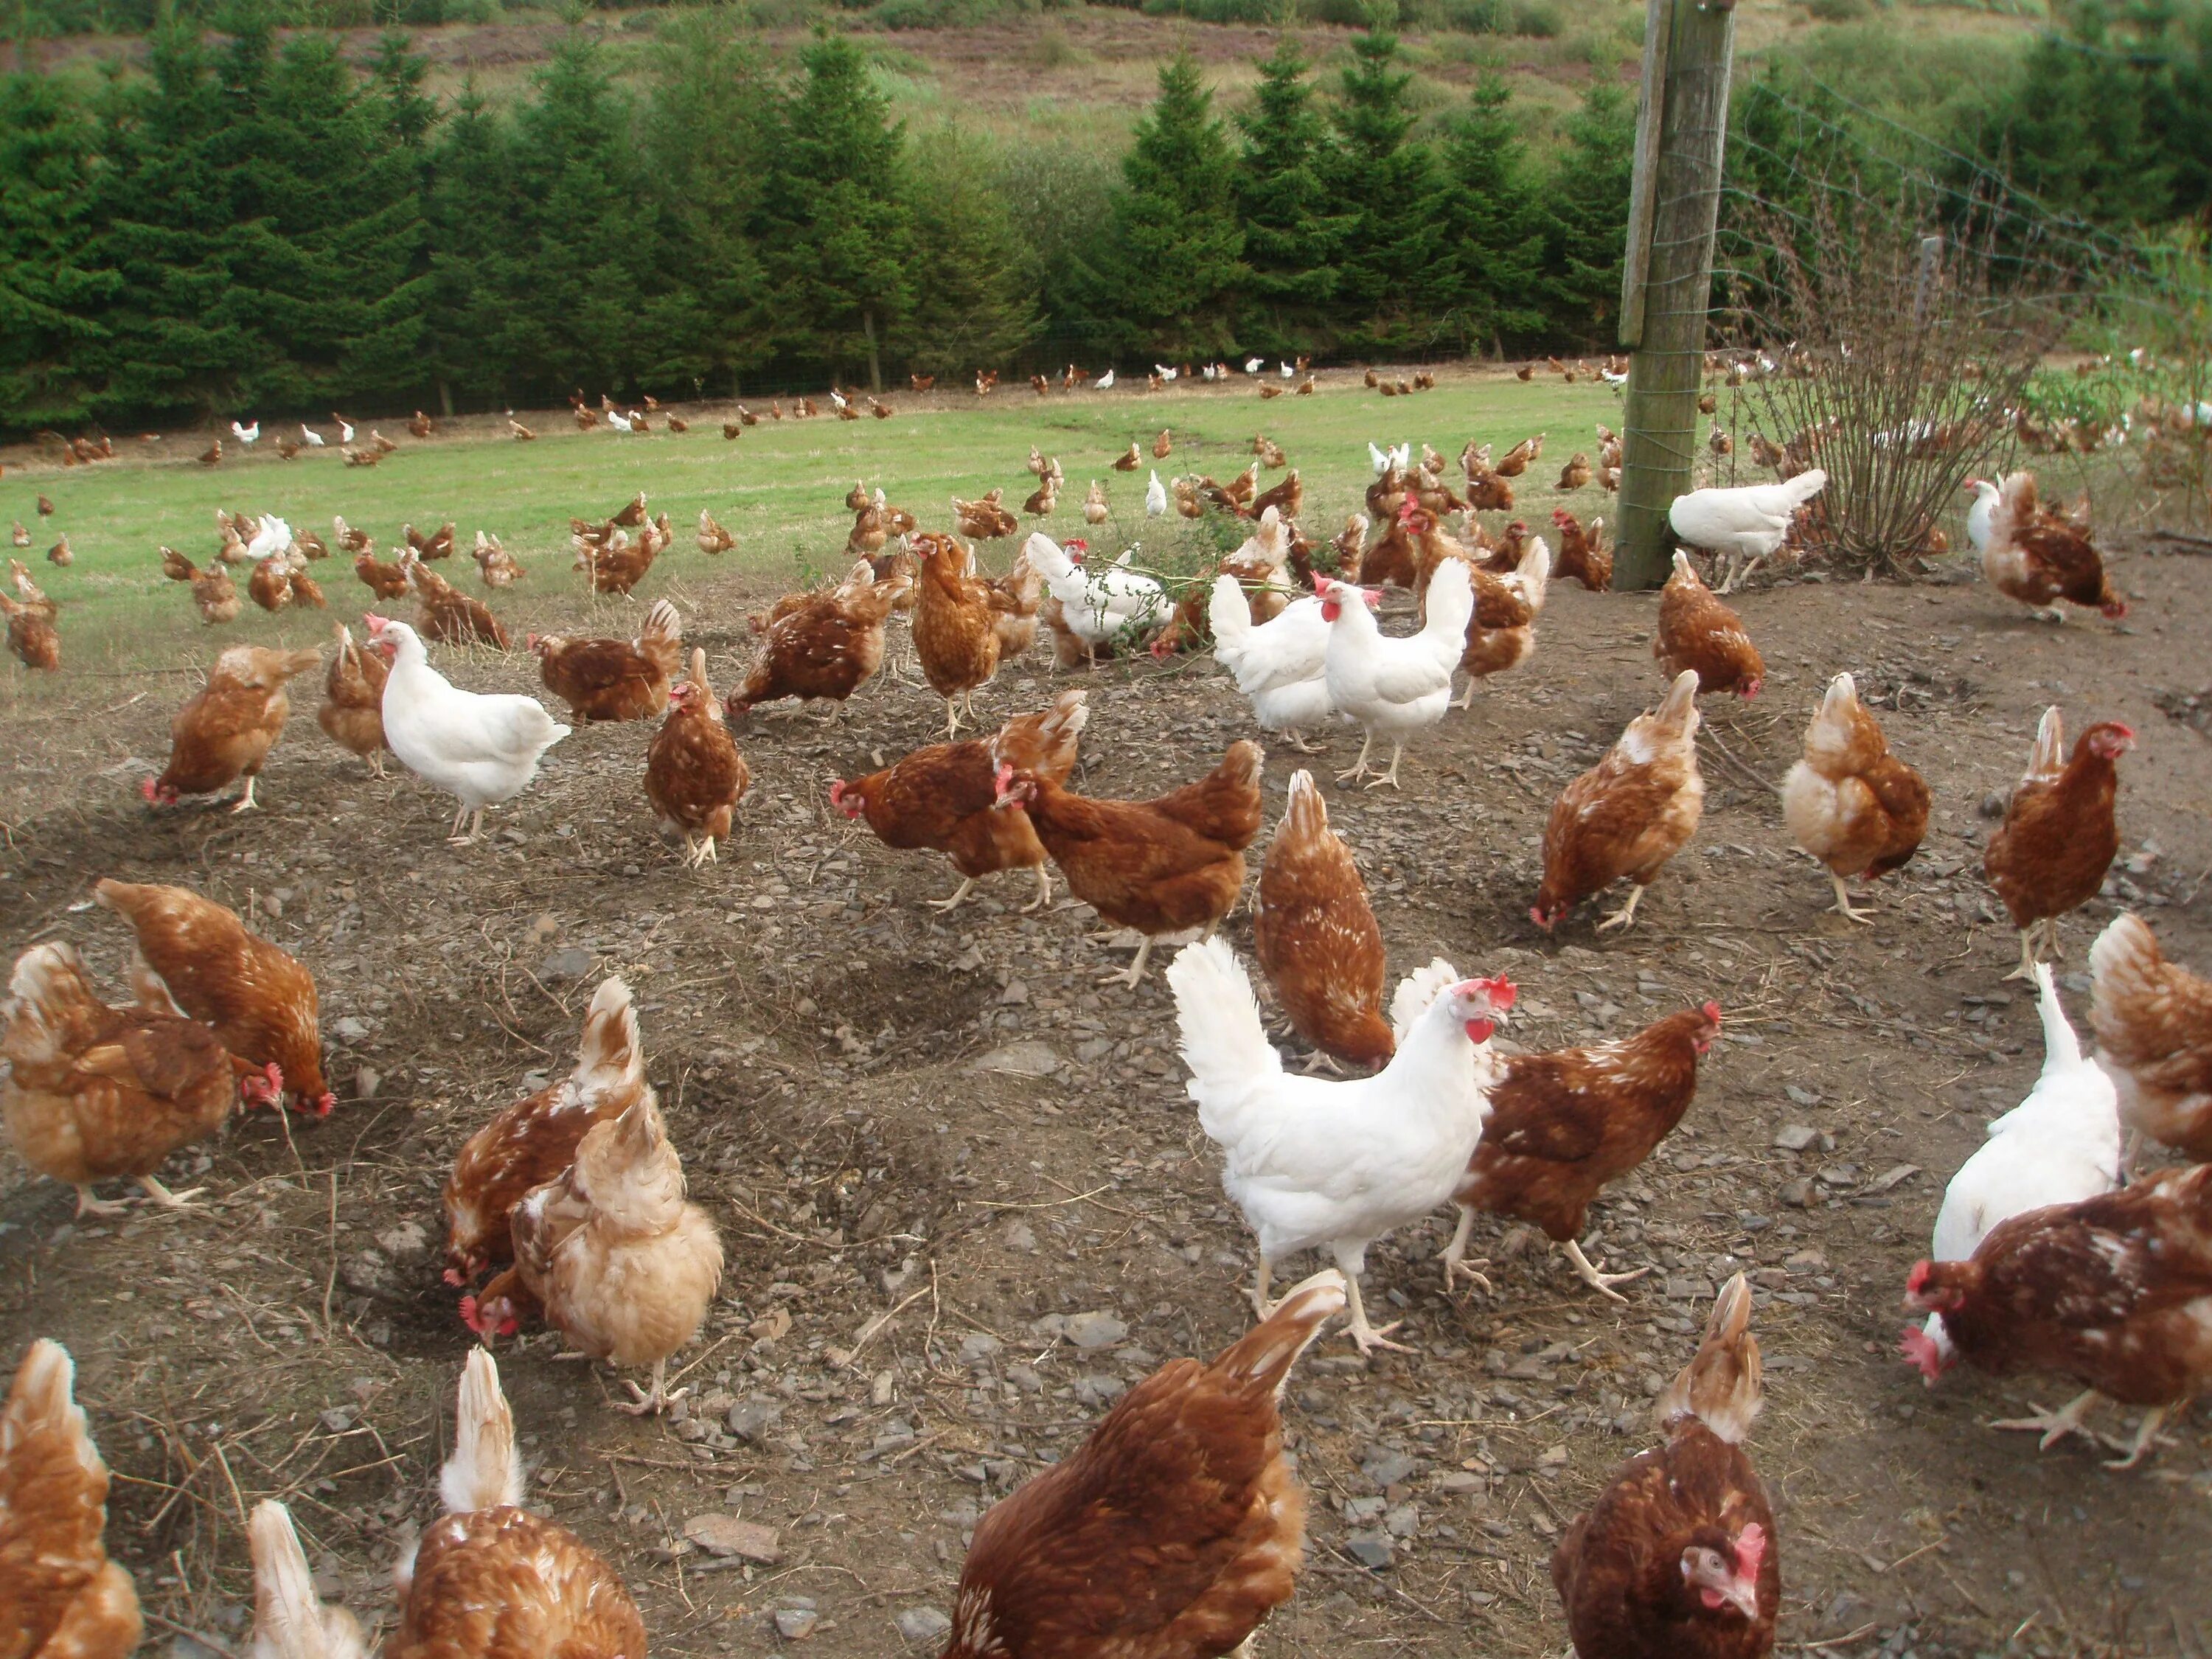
1625,916
1365,1335
1043,898
1844,901
1358,767
1298,740
156,1194
1135,974
1454,1256
2048,928
246,803
1602,1283
87,1204
959,898
2055,1426
2146,1436
654,1401
1390,777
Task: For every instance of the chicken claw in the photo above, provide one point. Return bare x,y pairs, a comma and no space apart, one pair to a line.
959,898
1602,1283
2055,1426
1625,916
1844,907
161,1198
246,803
1454,1256
87,1204
1043,898
1358,767
1390,777
1365,1335
2146,1436
650,1402
2027,969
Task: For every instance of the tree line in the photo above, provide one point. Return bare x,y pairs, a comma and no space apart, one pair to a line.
253,224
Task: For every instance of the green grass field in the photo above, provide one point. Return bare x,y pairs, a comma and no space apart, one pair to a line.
779,489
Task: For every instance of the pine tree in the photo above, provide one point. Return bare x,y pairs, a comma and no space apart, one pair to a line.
1175,272
976,274
476,273
1292,241
838,237
1491,219
1383,182
53,281
1587,232
177,335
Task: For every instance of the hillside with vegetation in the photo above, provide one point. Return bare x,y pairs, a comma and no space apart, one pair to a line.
241,209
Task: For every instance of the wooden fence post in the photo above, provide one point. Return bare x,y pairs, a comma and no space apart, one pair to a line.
1667,269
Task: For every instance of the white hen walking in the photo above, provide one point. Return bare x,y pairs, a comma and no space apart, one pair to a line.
1315,1164
1281,665
1393,685
1745,523
482,749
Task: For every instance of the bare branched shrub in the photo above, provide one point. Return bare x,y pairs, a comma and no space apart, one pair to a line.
1890,359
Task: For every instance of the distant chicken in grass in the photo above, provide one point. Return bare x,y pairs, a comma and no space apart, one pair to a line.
1315,936
2154,1023
613,679
496,565
195,958
1699,634
1172,1531
1157,867
385,581
944,797
531,1142
437,544
1335,1166
986,519
694,775
352,712
215,596
2060,834
225,731
1583,555
1678,1556
1563,1124
92,1092
32,634
713,538
61,1597
1627,815
1850,803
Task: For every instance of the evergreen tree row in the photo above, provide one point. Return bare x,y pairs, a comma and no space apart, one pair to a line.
252,226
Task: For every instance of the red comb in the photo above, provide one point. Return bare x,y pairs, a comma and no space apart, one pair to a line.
1712,1011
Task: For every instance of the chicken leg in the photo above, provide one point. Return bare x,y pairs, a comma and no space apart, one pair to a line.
658,1399
161,1198
959,898
1844,902
1358,767
1261,1279
1454,1256
87,1204
1466,699
1043,893
2146,1434
1625,916
1297,741
2051,938
246,803
1602,1283
1366,1335
2027,969
2054,1426
1390,777
952,718
1136,973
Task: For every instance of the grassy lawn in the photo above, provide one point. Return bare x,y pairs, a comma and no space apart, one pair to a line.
779,489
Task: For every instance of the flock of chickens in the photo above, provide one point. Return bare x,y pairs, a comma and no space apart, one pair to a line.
1178,1526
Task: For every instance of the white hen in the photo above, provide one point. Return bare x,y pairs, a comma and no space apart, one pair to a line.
1100,605
1316,1164
1281,665
1747,523
247,435
483,748
309,436
2059,1146
274,536
1394,686
1977,515
1156,498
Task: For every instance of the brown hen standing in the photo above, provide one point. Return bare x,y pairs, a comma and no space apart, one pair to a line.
1315,935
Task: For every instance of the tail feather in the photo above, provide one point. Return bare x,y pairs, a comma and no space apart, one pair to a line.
609,1051
698,675
1223,1044
2062,1049
1680,703
1807,484
2125,962
1720,1386
485,1470
2048,758
1230,616
1450,602
290,1619
1263,1356
662,622
1416,991
1305,817
1043,745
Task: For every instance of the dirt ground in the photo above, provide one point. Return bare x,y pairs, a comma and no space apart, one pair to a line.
949,1120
